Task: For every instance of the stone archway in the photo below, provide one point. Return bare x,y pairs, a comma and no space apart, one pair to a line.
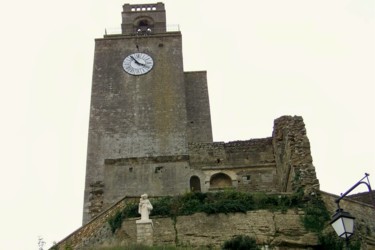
195,184
220,180
143,24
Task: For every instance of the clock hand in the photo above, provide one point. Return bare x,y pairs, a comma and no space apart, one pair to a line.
136,61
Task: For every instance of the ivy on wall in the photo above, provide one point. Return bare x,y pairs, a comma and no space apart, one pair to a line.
316,215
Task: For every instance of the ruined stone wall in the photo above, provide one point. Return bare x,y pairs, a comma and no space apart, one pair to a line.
253,152
202,154
257,180
248,165
293,156
281,163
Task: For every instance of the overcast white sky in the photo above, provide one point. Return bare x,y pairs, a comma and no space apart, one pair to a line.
264,59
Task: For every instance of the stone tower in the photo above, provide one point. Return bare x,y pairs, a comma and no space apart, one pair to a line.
150,126
145,110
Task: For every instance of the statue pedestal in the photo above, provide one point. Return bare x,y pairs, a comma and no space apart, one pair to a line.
145,232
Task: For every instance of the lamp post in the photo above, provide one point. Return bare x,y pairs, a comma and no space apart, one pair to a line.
343,222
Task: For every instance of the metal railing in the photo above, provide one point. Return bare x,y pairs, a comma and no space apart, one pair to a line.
143,31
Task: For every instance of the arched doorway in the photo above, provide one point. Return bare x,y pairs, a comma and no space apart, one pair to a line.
195,184
220,180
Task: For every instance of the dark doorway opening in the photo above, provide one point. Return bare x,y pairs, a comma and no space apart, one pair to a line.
195,184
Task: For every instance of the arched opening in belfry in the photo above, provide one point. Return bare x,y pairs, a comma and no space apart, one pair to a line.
220,180
195,184
144,25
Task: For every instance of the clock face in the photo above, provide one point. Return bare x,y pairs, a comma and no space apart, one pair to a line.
137,64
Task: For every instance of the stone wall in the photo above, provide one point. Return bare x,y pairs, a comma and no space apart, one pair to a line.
365,197
156,176
293,156
254,152
277,230
283,230
96,232
248,165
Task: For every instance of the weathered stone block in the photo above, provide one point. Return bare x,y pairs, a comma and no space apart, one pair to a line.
145,232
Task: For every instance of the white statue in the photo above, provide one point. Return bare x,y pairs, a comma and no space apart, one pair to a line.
144,207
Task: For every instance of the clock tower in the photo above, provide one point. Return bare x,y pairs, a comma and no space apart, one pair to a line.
145,110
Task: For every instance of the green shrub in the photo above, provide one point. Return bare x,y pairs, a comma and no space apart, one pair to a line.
115,221
240,242
330,241
316,214
162,206
228,201
222,206
190,207
129,211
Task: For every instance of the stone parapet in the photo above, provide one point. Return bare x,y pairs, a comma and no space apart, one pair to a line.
97,231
